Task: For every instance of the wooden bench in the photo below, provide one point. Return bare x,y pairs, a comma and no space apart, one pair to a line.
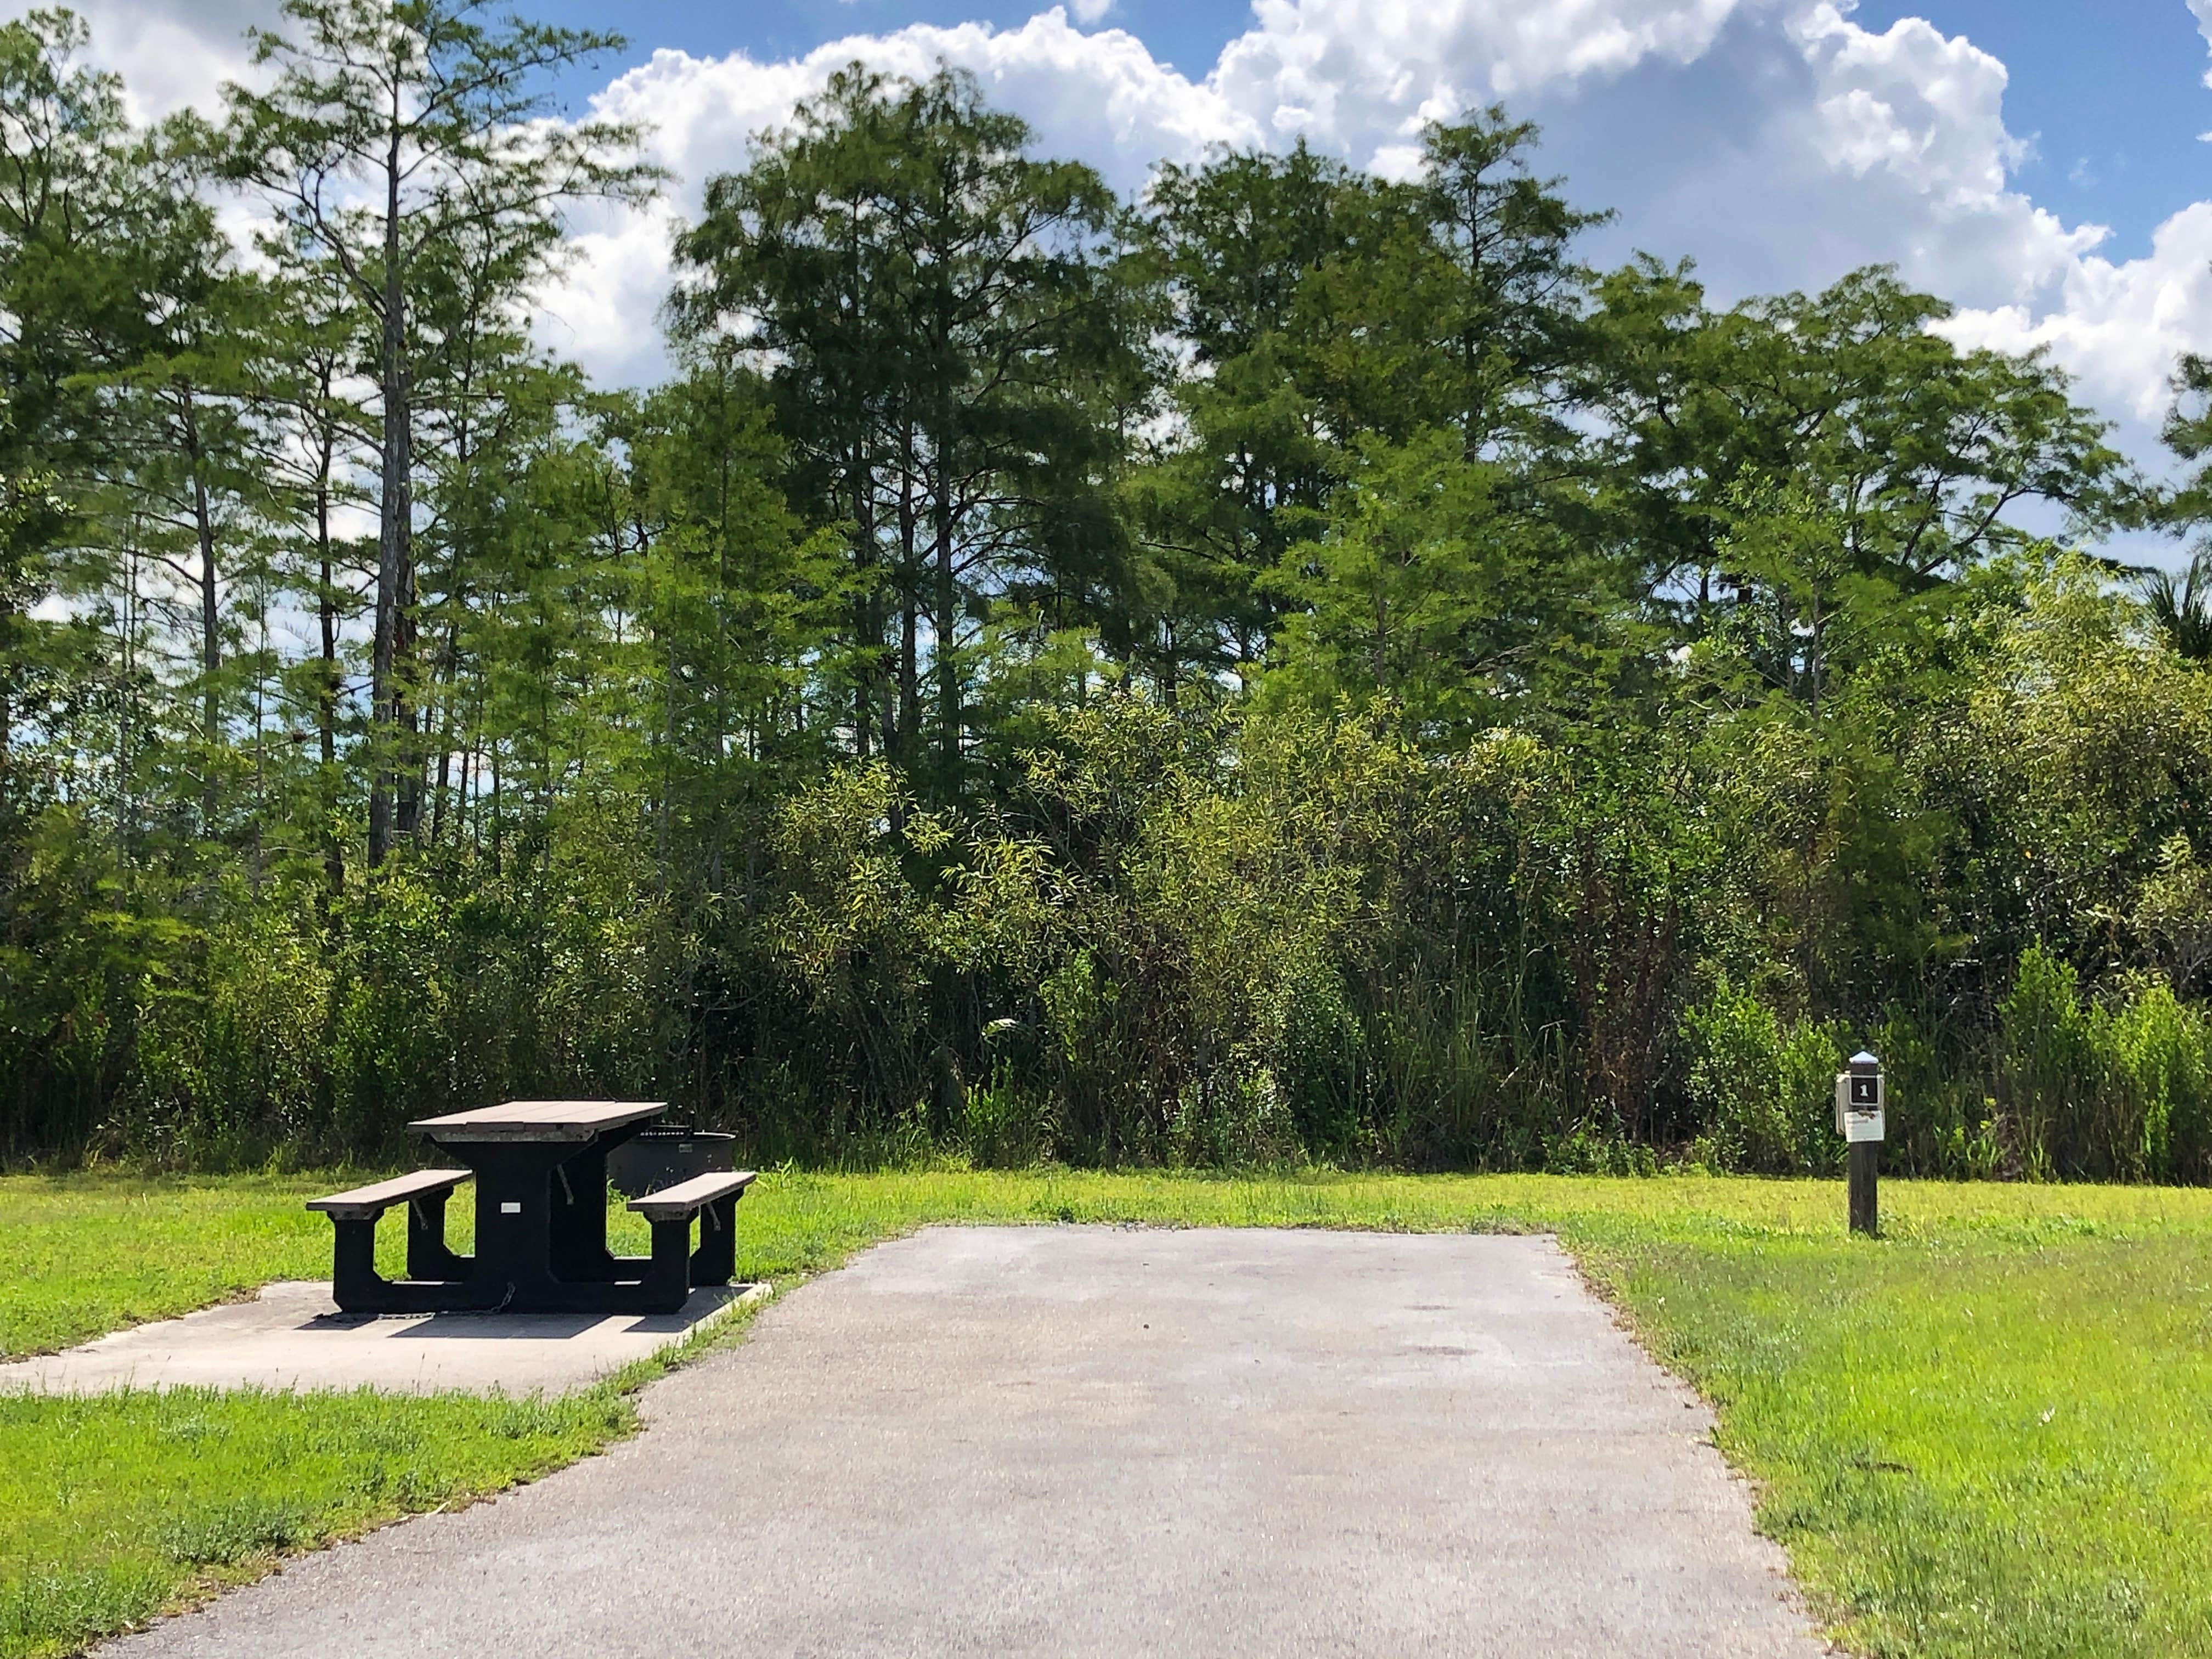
714,1198
355,1283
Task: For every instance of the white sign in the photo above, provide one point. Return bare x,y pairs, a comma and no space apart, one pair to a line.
1858,1106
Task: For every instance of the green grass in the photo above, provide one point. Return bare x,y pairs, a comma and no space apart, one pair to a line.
84,1255
111,1508
1988,1433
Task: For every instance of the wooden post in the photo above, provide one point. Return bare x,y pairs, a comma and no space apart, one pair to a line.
1859,1103
1865,1162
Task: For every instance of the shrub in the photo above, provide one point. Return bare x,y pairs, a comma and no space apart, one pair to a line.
2051,1067
2104,1092
2160,1070
1762,1089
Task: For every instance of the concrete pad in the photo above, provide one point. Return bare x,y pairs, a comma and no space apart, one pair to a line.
293,1336
1093,1442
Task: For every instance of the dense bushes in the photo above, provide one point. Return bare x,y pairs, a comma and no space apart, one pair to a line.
1761,1091
256,1027
2115,1089
2110,1089
1213,937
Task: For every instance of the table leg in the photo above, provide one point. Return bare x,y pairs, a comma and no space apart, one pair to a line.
579,1219
354,1284
668,1279
514,1200
428,1255
358,1288
541,1236
715,1261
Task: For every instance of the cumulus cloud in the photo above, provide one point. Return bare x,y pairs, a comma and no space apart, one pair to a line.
1347,73
1099,95
171,54
1778,141
2119,327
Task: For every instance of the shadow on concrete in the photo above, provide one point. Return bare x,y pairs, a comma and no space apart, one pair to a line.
290,1336
481,1327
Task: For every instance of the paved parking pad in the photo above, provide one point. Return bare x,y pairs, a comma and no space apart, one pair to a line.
293,1336
1076,1441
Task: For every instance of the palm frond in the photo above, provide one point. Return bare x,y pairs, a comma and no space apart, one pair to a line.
2180,605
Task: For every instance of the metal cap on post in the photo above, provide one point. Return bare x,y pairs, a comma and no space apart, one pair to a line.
1860,1100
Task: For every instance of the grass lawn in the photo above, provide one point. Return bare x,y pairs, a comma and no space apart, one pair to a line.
1989,1433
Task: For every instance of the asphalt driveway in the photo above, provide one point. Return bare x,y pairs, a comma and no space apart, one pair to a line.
1079,1441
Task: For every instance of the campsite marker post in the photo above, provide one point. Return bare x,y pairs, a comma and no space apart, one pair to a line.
1859,1102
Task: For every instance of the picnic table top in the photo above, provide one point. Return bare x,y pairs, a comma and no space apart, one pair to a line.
537,1120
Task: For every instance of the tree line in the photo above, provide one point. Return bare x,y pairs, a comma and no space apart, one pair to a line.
1289,664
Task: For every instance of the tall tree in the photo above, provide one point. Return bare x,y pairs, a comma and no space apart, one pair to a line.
389,133
311,396
65,143
173,366
945,322
740,650
1247,467
1342,323
1919,453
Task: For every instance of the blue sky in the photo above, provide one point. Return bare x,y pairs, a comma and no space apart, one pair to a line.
2110,92
2039,164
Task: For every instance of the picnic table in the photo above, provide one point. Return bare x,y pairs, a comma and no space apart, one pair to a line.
540,1168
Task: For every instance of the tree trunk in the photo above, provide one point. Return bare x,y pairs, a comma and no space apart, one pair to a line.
395,521
414,720
909,672
326,690
210,614
948,666
449,671
497,839
864,607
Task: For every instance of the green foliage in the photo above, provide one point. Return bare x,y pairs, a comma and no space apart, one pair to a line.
2119,1091
76,958
1764,1090
1295,667
2180,605
2162,1056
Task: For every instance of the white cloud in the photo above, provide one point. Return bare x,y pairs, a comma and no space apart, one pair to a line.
1101,96
1928,111
603,310
1346,73
171,53
1926,107
2119,327
1777,141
